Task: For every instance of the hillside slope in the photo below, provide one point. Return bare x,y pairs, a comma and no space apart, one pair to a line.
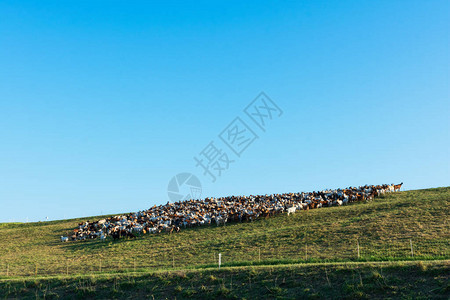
404,225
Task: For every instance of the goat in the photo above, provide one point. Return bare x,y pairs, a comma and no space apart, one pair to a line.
220,220
397,187
291,210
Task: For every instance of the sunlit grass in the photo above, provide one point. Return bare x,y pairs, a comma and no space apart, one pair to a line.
384,229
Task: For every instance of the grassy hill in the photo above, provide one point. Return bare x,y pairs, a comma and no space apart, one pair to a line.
410,225
384,230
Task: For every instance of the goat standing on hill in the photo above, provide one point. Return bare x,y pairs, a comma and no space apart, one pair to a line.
291,210
397,187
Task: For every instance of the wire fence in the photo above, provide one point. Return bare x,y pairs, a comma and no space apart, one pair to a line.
182,258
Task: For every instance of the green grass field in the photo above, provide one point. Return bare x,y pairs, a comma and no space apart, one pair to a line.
405,280
384,230
410,225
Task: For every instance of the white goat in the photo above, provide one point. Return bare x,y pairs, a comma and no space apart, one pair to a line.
291,210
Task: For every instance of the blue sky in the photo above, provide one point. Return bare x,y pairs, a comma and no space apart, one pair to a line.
103,102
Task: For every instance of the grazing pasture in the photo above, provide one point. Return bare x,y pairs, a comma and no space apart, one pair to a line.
399,280
411,225
192,213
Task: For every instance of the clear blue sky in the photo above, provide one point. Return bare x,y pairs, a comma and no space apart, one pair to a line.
102,102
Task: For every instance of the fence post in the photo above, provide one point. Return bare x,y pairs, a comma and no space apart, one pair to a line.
357,244
326,274
173,259
412,250
220,260
306,243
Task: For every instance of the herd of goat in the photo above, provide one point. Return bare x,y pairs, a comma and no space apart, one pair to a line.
174,216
